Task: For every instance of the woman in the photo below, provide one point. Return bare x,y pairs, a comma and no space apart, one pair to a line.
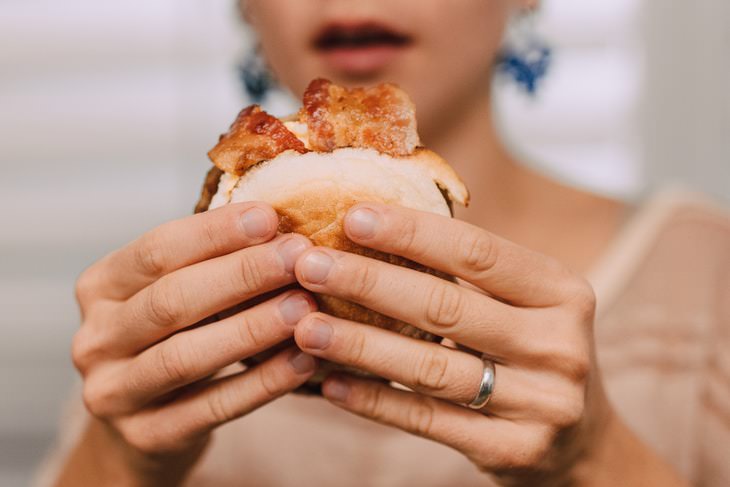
155,397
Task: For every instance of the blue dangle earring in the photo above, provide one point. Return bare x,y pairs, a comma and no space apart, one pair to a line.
525,56
255,75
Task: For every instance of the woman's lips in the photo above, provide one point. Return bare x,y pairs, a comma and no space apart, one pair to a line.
361,60
359,47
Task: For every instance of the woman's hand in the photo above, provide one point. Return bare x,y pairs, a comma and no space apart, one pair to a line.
527,313
148,351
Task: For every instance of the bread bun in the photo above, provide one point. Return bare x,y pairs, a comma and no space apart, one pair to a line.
313,190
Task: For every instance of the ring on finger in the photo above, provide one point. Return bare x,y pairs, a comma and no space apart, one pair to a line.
486,386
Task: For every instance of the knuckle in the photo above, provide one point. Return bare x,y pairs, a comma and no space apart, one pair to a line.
373,403
212,233
356,348
363,281
218,405
251,272
532,455
87,347
420,418
143,443
405,238
568,358
431,371
96,399
171,357
89,397
251,335
579,367
150,256
566,351
540,449
163,304
445,305
85,287
144,440
270,381
582,298
81,351
477,251
570,413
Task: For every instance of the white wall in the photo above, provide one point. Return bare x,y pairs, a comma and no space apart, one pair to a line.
685,119
107,110
582,126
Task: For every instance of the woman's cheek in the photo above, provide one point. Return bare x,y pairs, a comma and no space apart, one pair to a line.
284,29
453,58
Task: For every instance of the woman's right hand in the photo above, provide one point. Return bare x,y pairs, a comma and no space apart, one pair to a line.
149,373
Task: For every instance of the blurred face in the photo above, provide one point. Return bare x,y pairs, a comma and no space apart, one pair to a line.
440,51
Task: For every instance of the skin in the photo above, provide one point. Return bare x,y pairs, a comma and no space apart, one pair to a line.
454,110
154,395
548,419
520,301
449,90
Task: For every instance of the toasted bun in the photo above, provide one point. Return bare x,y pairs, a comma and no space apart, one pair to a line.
313,191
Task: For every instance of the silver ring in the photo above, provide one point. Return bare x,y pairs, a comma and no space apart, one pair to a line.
485,387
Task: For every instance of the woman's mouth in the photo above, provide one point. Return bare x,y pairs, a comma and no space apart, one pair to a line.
359,48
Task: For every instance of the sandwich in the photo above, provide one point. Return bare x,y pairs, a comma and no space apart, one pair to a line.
345,145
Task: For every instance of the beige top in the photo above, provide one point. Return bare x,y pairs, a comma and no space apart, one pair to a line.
663,337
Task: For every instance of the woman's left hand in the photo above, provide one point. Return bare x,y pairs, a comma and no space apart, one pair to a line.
526,312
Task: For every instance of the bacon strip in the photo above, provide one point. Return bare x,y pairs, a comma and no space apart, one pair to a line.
381,117
254,136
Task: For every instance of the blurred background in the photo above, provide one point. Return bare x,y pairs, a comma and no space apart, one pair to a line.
108,108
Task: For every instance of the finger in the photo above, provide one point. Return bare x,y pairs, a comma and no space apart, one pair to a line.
492,443
434,304
428,368
192,355
193,293
504,269
177,244
191,416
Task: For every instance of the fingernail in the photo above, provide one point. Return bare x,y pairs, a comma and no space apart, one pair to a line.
361,223
255,222
316,267
318,335
289,251
336,390
294,308
302,363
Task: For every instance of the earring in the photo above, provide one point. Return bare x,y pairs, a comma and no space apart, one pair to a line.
525,57
255,75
